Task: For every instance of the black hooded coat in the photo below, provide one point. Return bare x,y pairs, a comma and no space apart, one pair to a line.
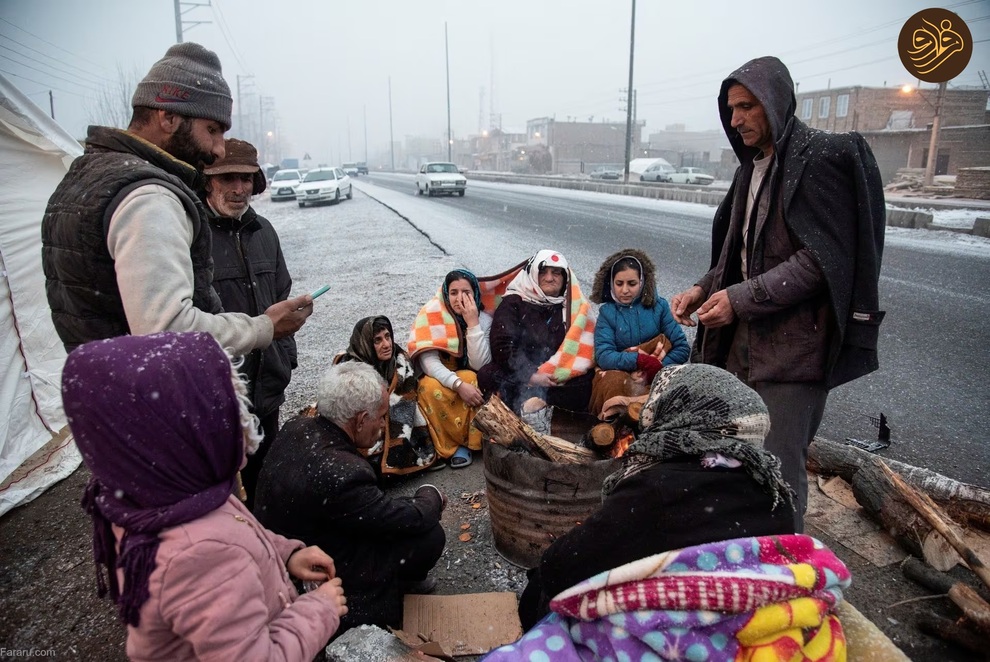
811,300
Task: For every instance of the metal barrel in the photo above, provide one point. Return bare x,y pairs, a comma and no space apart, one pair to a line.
532,501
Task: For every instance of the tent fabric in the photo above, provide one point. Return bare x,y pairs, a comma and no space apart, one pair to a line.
35,448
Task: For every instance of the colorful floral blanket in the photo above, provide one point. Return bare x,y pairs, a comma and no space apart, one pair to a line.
748,599
435,328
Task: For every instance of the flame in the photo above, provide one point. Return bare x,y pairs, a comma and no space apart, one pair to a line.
621,444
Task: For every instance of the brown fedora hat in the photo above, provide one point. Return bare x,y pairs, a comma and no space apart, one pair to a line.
241,156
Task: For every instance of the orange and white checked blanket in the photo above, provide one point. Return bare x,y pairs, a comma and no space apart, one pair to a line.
435,327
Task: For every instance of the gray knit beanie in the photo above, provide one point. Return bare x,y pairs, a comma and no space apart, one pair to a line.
187,81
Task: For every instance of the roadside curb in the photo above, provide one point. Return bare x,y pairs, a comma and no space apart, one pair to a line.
897,216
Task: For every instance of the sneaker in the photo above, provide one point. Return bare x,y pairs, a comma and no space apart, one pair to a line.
422,587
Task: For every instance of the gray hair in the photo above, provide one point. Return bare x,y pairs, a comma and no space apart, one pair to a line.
347,389
249,422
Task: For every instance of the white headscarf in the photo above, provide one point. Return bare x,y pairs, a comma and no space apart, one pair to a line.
527,282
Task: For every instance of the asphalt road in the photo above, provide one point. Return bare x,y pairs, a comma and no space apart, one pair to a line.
935,366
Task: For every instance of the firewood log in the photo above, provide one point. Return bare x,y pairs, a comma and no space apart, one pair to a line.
498,422
967,504
971,603
935,517
602,434
949,630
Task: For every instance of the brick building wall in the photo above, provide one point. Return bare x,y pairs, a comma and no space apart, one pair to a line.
959,147
875,108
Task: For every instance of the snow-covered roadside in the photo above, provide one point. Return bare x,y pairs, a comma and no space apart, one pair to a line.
375,262
939,238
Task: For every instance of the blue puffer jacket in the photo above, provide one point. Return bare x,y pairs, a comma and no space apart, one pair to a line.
620,327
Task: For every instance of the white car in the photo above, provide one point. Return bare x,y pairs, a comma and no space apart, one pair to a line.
658,172
691,176
440,179
324,185
284,183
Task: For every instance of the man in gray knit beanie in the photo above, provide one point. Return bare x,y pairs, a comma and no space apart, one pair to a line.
126,244
187,81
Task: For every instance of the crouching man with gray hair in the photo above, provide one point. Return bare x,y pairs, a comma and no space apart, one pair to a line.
315,486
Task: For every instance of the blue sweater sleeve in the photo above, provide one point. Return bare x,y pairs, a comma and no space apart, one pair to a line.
680,350
607,355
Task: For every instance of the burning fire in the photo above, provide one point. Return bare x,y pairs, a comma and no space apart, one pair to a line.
621,444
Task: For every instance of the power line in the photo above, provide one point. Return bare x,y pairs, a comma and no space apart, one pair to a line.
37,82
42,53
94,81
227,34
51,44
27,66
700,79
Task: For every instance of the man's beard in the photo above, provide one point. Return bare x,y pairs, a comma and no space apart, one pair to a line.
182,146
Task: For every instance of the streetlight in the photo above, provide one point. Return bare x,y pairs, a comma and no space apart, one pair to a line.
936,125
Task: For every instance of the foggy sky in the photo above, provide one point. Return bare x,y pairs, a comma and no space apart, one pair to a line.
327,64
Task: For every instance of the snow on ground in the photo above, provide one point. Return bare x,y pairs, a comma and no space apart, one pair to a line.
375,262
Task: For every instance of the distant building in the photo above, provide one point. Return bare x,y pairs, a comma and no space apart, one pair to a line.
897,124
891,109
683,148
581,146
493,150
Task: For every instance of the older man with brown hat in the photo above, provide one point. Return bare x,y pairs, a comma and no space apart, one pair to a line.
249,275
125,239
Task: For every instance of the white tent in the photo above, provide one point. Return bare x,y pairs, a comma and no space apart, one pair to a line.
36,450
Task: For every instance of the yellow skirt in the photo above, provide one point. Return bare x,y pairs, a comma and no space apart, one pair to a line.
447,416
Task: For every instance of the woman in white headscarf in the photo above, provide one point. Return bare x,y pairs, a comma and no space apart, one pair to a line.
528,328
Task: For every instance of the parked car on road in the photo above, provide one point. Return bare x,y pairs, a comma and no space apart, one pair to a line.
362,168
350,169
658,172
440,178
691,176
284,183
324,185
605,173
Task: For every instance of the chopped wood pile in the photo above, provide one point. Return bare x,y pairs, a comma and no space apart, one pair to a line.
501,426
973,183
936,518
911,181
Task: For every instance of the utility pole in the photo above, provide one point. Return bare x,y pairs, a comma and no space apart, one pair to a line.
51,103
933,145
365,112
240,104
629,104
178,22
350,157
446,50
391,139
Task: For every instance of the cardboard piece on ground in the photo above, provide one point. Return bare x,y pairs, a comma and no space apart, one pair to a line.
834,510
942,556
469,624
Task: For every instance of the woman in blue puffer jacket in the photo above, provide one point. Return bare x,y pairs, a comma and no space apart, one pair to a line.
636,334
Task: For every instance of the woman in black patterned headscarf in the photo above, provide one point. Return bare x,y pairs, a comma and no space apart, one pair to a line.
697,473
407,444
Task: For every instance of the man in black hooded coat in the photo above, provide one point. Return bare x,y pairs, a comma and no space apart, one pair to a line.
790,304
